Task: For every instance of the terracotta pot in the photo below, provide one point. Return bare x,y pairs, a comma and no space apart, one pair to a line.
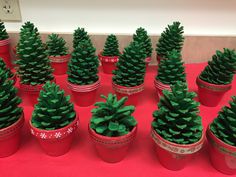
31,93
55,142
59,63
222,155
160,87
175,156
5,52
10,138
108,63
133,93
147,61
84,95
211,94
112,149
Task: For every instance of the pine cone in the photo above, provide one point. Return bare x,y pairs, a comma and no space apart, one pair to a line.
9,102
3,32
111,47
221,69
141,36
4,68
171,38
34,65
79,35
171,69
177,118
112,118
83,66
56,46
131,66
224,127
54,110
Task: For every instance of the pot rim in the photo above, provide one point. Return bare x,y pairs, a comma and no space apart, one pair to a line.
67,130
33,88
215,141
108,59
177,148
148,59
115,141
128,90
60,59
214,87
158,84
8,131
84,88
5,42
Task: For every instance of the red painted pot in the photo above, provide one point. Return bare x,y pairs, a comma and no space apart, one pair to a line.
147,61
222,155
133,93
211,94
160,87
112,149
31,93
10,138
5,52
108,63
175,156
59,63
55,142
84,95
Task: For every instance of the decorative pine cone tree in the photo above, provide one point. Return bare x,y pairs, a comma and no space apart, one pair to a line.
171,38
177,118
220,70
30,26
111,47
56,46
131,66
3,32
3,67
224,127
112,118
33,66
171,69
9,102
54,110
79,35
141,36
83,66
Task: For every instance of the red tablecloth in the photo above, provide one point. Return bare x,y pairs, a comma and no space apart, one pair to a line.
82,160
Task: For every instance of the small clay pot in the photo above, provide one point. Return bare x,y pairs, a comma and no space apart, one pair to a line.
108,63
59,63
112,149
5,52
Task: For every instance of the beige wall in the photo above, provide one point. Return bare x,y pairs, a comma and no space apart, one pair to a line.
196,48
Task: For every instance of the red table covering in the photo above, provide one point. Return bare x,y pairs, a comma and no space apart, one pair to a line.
82,160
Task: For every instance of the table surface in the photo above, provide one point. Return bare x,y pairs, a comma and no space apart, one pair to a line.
82,160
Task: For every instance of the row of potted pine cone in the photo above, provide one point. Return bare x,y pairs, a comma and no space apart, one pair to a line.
130,74
176,128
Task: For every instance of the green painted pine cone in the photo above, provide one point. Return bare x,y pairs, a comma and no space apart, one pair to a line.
54,110
171,69
56,46
79,35
131,66
177,118
224,126
33,66
111,47
4,68
112,118
171,38
220,70
3,32
9,102
83,66
141,36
